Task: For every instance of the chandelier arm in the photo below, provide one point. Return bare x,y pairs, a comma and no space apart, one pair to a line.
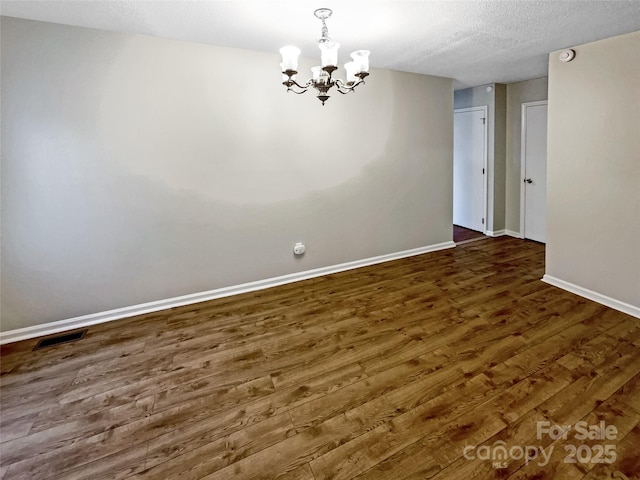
289,83
345,88
290,88
297,93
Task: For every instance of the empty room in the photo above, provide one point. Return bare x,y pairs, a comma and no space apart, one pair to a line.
302,240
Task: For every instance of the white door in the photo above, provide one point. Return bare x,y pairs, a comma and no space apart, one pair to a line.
469,164
534,171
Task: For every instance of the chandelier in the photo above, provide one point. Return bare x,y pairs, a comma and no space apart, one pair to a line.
322,76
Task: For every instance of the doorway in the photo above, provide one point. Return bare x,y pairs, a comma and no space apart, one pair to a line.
470,168
533,169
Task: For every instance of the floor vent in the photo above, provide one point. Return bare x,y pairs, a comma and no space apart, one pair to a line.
60,339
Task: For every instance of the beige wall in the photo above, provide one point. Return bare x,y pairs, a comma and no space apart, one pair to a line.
137,169
499,157
517,94
593,203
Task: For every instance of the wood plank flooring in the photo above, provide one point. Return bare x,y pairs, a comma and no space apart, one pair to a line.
384,372
462,234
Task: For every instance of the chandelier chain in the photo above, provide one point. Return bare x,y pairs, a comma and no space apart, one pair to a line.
325,32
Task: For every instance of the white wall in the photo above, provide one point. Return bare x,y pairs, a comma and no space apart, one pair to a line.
517,94
136,169
593,169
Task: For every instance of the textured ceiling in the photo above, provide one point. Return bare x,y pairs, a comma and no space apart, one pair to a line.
474,42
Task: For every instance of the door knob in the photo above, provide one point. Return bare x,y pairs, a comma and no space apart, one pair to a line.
528,180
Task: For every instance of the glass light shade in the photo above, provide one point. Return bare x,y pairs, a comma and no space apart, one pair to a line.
351,69
290,56
315,72
329,53
361,59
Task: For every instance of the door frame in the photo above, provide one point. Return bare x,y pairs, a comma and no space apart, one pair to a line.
485,155
523,163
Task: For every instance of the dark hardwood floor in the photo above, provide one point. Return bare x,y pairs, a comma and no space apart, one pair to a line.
409,369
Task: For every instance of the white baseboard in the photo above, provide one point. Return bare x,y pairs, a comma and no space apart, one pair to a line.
102,317
500,233
595,296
